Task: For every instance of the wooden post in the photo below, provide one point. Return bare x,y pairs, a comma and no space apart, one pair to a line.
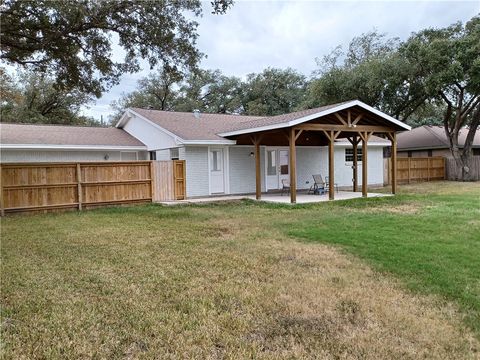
79,187
258,178
409,167
364,137
293,163
355,164
331,168
152,184
2,206
394,164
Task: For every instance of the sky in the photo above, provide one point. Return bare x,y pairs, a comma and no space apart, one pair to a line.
254,35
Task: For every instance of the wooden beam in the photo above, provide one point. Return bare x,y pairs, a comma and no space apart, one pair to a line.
293,168
331,168
298,134
394,164
341,119
355,163
333,127
364,137
258,178
357,119
349,119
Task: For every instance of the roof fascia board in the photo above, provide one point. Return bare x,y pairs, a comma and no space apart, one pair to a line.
316,115
70,147
209,142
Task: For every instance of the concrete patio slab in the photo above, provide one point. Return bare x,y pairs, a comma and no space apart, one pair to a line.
302,198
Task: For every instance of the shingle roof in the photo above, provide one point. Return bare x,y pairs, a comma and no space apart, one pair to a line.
188,127
210,126
280,119
65,135
426,137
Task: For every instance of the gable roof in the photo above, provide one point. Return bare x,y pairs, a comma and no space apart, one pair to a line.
431,137
59,136
298,117
187,126
216,127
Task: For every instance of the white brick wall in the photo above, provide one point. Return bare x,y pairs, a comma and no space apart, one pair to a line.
242,169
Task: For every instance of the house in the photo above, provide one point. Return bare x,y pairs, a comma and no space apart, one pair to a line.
54,143
228,154
232,154
428,141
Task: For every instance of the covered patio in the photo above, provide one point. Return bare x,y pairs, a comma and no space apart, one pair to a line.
353,120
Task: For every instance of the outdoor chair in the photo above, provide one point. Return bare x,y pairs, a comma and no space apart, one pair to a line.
285,186
335,185
318,187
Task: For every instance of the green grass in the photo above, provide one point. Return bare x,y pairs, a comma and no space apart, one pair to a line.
248,280
431,240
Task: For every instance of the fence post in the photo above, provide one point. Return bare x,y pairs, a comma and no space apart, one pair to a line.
428,169
152,185
79,186
2,208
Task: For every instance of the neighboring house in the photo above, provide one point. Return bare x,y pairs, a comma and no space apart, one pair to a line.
428,141
220,156
53,143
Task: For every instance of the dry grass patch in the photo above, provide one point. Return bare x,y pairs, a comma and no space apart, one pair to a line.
213,282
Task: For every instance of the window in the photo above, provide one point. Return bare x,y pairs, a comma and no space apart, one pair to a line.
174,154
153,155
216,160
271,162
349,155
430,153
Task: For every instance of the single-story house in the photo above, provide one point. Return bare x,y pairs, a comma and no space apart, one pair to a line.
428,141
228,154
54,143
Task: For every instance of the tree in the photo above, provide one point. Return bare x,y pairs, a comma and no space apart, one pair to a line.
446,65
210,91
273,92
155,91
72,40
33,98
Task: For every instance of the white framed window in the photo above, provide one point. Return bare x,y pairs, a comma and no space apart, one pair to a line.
216,161
174,155
271,162
349,155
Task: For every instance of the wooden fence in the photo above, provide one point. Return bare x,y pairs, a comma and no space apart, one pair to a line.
453,173
416,169
27,187
169,180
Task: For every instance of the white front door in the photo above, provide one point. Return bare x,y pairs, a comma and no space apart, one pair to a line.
217,171
277,167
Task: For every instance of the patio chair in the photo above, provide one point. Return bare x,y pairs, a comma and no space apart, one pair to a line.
335,185
285,186
318,187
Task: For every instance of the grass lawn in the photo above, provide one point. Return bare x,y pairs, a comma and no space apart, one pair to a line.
379,278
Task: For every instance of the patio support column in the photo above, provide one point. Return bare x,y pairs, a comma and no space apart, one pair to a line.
331,167
365,136
393,139
293,165
258,178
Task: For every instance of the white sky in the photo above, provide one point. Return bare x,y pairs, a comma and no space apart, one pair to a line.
254,35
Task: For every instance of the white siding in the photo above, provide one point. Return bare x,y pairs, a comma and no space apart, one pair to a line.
62,156
344,171
197,170
242,169
148,134
310,161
